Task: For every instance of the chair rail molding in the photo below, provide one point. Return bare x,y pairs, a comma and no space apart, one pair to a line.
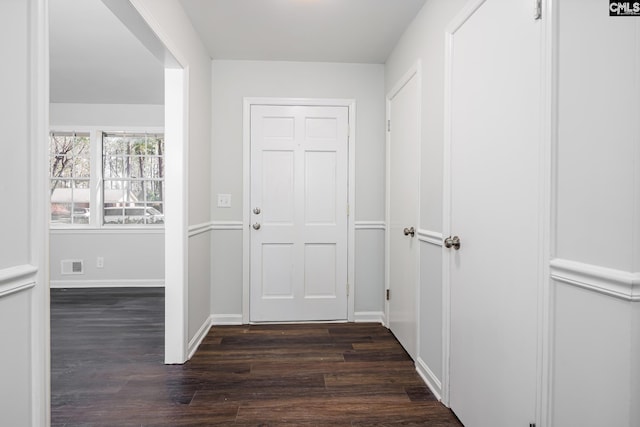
205,227
607,281
16,279
428,236
370,225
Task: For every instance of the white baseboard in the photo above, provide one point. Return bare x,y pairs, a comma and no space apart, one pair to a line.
136,283
369,317
226,319
429,378
195,342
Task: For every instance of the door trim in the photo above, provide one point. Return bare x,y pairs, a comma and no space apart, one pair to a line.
414,70
246,190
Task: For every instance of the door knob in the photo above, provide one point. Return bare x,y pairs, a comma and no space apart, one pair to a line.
408,231
452,242
256,226
256,211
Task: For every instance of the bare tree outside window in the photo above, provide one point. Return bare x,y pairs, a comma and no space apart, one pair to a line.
70,174
133,178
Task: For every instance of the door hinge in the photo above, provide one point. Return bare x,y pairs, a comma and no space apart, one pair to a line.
347,288
388,125
348,210
388,294
537,11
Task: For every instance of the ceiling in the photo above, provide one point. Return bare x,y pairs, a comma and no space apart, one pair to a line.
362,31
95,59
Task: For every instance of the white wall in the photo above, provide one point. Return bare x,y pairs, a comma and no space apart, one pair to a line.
131,257
112,115
424,40
170,23
595,350
234,80
24,399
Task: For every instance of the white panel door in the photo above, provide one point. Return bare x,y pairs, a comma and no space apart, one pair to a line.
403,199
299,178
495,99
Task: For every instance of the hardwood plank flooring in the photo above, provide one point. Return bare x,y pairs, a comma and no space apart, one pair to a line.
107,370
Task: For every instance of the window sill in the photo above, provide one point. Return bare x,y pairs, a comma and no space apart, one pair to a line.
150,229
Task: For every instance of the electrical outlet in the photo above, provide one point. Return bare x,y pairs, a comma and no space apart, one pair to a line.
100,262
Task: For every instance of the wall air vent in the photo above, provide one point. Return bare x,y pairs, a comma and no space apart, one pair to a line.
72,266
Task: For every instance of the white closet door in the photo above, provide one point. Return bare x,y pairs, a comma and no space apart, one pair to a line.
494,208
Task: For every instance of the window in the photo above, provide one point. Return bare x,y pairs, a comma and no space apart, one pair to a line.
133,178
70,175
106,178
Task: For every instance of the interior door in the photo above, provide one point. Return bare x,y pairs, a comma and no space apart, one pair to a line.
299,181
404,178
495,99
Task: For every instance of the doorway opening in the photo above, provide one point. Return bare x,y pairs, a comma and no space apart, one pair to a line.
161,110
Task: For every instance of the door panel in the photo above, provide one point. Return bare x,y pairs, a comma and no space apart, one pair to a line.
320,270
320,187
404,178
277,272
278,182
494,196
299,171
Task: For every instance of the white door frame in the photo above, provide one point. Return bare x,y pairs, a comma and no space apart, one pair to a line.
414,71
546,176
246,190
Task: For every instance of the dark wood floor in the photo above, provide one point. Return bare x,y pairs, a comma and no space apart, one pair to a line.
107,350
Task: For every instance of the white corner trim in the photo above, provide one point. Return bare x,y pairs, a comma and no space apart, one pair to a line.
370,225
195,342
369,317
429,378
428,236
607,281
226,319
17,279
116,283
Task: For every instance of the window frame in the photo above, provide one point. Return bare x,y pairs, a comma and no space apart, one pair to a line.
96,196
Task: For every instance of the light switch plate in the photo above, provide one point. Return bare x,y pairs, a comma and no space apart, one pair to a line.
224,200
